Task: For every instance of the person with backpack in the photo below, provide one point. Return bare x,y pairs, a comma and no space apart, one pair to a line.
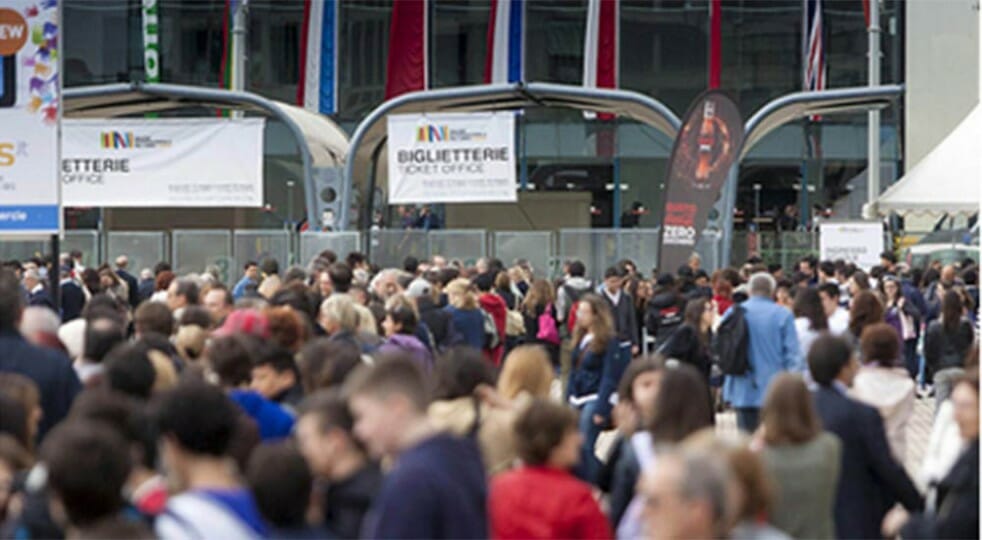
568,293
755,341
946,343
495,306
665,310
541,321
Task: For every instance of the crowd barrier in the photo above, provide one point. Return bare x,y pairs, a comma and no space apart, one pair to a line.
226,251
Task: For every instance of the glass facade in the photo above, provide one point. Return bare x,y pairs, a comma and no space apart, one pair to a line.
664,54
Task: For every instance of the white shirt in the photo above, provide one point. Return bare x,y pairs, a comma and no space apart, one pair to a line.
806,336
839,322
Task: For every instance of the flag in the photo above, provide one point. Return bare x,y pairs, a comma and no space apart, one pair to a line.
408,63
815,69
505,60
715,43
228,15
600,46
318,88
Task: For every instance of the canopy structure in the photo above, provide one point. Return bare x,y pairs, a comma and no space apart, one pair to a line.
946,180
368,142
323,144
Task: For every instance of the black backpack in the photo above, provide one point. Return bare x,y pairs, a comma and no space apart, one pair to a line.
730,343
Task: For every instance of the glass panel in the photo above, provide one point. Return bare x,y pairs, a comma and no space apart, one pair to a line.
554,40
458,42
363,46
103,42
274,48
258,245
194,251
191,46
143,249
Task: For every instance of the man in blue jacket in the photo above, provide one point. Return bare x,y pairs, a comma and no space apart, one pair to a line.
49,369
773,348
870,480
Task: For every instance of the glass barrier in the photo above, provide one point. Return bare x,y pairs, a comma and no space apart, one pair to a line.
86,241
533,246
314,242
21,250
465,245
144,249
389,247
255,245
641,247
196,250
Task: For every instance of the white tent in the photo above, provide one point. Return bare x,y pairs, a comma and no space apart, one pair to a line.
947,179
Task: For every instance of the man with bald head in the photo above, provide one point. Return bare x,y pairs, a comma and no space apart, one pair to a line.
122,262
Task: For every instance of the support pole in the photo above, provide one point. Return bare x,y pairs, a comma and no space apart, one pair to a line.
239,46
873,141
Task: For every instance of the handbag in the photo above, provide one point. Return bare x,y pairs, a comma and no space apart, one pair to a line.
548,329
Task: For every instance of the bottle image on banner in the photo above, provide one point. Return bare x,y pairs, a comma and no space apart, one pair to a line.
8,81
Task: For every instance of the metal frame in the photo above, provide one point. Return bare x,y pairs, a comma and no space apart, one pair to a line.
789,108
177,96
493,97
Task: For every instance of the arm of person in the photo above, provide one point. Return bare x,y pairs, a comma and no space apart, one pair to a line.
609,378
891,474
790,348
932,346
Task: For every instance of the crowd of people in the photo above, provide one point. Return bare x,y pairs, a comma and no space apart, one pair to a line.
441,401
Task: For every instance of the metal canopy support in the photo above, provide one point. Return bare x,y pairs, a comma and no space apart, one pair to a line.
370,136
787,109
93,101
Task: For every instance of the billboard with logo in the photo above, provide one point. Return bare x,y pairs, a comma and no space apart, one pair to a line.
707,145
173,162
29,115
857,242
452,158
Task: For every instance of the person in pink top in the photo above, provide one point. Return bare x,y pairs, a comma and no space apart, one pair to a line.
542,499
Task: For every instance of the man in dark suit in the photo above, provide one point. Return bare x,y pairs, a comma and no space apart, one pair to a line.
72,296
37,295
122,262
871,480
49,369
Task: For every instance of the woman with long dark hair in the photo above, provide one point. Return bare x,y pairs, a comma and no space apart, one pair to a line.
690,343
809,318
541,319
946,343
904,317
864,311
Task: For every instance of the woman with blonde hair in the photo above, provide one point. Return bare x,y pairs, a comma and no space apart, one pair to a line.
526,372
468,321
541,319
597,369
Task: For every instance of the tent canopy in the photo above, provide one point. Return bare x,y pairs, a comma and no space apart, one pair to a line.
946,180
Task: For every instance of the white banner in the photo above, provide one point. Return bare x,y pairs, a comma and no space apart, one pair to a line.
452,157
175,162
858,242
29,114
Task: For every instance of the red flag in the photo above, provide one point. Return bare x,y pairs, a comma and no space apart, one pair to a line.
407,64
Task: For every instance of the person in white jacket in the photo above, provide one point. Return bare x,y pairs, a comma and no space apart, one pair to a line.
882,384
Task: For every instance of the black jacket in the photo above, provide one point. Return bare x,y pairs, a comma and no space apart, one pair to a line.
133,285
943,350
48,368
346,502
958,503
664,315
438,321
625,322
72,301
41,298
870,480
685,346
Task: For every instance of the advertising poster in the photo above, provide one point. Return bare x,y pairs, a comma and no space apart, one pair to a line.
452,158
172,162
708,143
29,116
857,242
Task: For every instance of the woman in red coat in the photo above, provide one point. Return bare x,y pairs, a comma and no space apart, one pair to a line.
542,499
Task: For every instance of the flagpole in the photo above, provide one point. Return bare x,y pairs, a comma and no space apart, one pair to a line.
873,141
239,46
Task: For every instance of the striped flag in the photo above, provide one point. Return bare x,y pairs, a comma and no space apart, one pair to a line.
814,50
505,61
600,47
407,69
318,88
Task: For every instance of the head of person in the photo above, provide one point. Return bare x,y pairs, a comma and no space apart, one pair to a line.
526,370
273,371
11,301
389,401
699,313
39,325
31,279
281,483
101,335
219,303
251,270
788,415
25,393
686,496
107,278
125,416
891,289
459,372
182,292
326,363
807,267
948,275
858,282
865,310
502,281
269,267
593,317
952,310
639,387
230,359
762,285
829,294
196,423
577,269
153,318
340,276
15,460
613,279
965,399
130,371
880,345
337,314
87,464
826,271
461,294
681,405
287,327
808,305
831,359
888,259
484,282
695,261
325,433
546,434
400,316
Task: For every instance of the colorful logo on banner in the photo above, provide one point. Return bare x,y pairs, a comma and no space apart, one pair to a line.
442,133
707,145
123,140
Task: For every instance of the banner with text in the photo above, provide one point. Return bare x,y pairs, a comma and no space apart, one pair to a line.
175,162
708,143
857,242
29,114
452,158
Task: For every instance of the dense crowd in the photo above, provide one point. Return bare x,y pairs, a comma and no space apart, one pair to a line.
439,400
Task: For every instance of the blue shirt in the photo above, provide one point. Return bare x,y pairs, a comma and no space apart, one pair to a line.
272,420
773,348
240,287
